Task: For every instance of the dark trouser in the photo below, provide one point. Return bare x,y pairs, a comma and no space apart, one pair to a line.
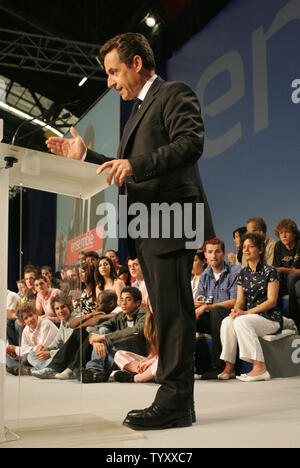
13,332
168,282
74,354
293,287
210,322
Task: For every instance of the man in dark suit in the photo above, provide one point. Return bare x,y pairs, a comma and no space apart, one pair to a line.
157,163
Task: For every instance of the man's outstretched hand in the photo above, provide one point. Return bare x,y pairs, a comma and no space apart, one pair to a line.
73,148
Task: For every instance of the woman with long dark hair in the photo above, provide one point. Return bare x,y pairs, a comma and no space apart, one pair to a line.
107,278
87,302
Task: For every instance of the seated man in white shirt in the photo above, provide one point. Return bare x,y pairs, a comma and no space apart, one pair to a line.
63,308
37,332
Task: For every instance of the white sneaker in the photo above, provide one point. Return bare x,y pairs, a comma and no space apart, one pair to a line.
46,373
67,374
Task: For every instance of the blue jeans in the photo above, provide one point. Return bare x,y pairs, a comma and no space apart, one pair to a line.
36,363
107,363
10,362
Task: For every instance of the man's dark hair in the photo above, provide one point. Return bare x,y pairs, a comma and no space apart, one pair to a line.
134,292
109,296
30,269
41,277
128,45
91,253
62,299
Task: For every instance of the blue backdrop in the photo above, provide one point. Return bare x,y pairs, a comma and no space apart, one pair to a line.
243,67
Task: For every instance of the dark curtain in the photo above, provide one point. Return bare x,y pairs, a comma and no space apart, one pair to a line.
38,232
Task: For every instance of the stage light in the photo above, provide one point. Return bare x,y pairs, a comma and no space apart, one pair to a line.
150,21
26,116
82,81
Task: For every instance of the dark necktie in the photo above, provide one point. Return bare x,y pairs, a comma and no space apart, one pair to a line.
128,125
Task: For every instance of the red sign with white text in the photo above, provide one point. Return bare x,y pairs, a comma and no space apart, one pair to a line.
91,240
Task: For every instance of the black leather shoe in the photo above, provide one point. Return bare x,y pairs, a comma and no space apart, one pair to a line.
156,417
123,376
91,375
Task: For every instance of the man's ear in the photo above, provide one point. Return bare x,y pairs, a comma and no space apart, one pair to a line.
137,63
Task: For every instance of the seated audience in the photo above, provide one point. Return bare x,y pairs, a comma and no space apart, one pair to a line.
199,266
139,282
22,290
36,332
255,313
30,273
91,257
43,299
13,327
124,275
134,367
106,277
77,350
287,263
258,225
124,331
42,356
112,255
216,295
87,302
73,277
237,235
46,271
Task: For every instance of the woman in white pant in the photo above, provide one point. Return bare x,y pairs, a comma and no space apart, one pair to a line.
255,313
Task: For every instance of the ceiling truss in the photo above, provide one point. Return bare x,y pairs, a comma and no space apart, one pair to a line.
49,54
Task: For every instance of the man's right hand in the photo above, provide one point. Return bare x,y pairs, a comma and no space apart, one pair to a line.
73,148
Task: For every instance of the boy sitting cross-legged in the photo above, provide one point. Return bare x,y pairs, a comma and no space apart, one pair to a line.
124,331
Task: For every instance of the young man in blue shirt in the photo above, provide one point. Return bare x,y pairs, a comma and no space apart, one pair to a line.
218,283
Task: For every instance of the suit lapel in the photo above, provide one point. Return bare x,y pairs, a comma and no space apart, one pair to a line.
150,97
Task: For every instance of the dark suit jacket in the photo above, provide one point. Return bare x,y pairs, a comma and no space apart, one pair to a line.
164,145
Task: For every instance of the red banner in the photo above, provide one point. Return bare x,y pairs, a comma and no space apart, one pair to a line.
88,241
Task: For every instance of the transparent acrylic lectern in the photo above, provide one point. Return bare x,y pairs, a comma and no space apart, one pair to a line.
41,171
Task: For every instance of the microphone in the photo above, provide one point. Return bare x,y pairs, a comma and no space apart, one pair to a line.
24,122
63,117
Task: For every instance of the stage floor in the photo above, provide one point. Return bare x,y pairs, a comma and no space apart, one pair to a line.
229,414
